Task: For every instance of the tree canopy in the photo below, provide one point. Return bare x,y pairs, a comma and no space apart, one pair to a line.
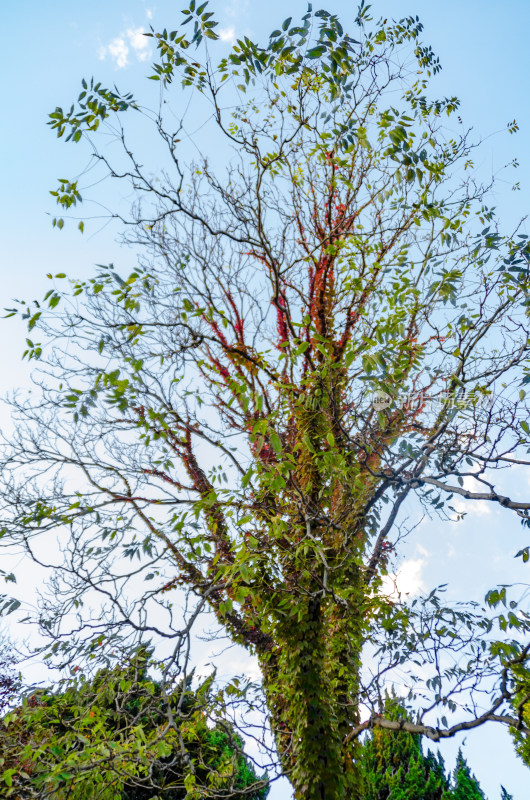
123,735
395,768
325,325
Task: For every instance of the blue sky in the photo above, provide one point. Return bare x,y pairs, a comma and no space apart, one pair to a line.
50,46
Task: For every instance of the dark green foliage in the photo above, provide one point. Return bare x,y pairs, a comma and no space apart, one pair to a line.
396,768
521,706
466,786
123,736
9,677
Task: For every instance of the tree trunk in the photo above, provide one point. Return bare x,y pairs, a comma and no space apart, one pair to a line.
310,699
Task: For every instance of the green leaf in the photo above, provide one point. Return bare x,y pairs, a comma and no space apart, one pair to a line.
524,553
33,321
302,347
7,776
316,52
276,442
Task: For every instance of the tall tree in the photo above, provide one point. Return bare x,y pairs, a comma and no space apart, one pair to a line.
520,701
321,315
466,786
395,767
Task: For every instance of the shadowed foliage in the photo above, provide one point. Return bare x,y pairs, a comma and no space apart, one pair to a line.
121,736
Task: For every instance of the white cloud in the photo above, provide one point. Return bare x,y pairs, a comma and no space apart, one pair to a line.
204,670
139,43
149,13
236,8
478,507
227,34
247,666
407,581
119,48
409,578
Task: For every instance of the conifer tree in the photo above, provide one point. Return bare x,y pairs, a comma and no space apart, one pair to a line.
466,786
396,768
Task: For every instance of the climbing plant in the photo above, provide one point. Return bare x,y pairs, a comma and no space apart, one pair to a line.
320,332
